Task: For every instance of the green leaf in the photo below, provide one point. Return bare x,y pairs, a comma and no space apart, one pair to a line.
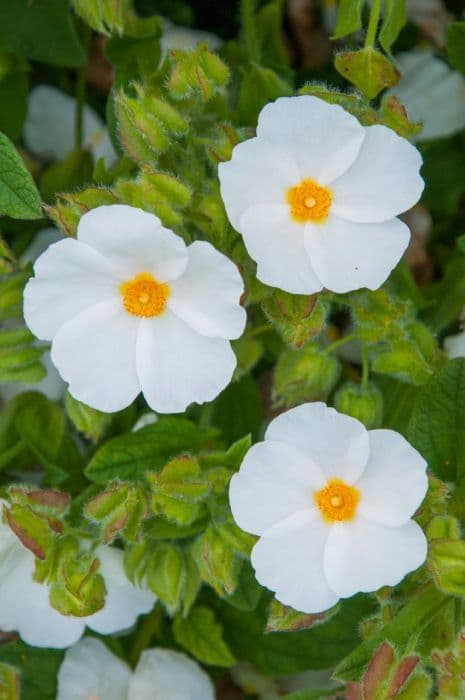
259,86
349,18
41,425
39,669
19,197
41,30
13,91
130,456
202,636
456,45
437,425
87,420
291,652
412,618
395,17
239,410
367,69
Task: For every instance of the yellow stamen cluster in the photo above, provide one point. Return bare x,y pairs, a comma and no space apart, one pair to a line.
144,296
337,501
309,201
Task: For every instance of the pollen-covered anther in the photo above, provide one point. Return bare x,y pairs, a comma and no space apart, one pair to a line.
337,501
145,297
309,201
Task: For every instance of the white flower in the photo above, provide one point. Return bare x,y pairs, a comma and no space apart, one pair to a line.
52,385
432,93
332,504
315,196
129,308
49,126
90,670
454,345
185,39
26,609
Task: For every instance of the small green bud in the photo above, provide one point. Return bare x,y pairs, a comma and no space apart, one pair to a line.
297,318
70,207
363,403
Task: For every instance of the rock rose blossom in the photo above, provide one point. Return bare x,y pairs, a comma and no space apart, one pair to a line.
25,607
316,196
130,308
90,670
332,505
49,126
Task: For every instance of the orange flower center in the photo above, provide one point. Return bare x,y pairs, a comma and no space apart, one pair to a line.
309,201
144,296
337,501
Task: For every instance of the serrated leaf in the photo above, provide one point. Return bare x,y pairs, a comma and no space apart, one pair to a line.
19,197
130,456
437,425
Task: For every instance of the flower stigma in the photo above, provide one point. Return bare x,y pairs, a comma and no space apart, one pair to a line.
337,501
309,201
144,296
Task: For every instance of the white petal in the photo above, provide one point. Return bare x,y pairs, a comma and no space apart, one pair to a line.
288,560
274,482
362,555
454,345
336,443
207,294
258,173
134,240
69,278
324,139
162,674
95,352
90,670
124,602
177,366
276,243
24,603
383,181
49,125
348,255
394,482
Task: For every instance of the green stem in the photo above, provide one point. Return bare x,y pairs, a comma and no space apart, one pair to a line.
259,330
80,92
342,341
373,24
147,629
248,24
